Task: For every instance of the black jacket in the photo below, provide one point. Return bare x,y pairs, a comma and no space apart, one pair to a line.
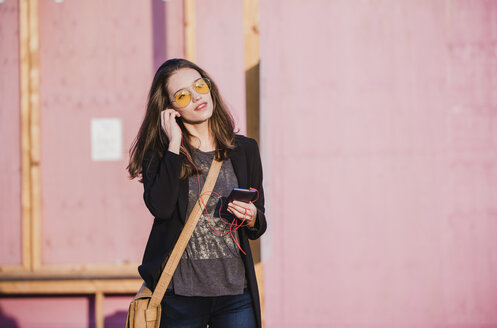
166,196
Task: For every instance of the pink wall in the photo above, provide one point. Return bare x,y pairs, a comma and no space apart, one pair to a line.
219,42
96,61
167,30
73,312
61,312
379,143
10,136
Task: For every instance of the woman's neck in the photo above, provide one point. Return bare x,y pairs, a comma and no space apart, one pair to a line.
203,139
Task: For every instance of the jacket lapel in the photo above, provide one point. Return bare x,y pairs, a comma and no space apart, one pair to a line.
239,162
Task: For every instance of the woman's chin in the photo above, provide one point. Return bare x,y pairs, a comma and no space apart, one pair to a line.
200,118
196,120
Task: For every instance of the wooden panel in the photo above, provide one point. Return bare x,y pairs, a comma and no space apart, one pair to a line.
380,156
220,51
10,158
96,62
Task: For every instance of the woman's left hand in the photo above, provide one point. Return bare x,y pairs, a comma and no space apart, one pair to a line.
243,211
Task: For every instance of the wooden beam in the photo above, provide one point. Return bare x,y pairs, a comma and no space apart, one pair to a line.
56,287
12,269
190,47
99,309
30,133
252,60
25,132
259,273
251,32
70,271
34,79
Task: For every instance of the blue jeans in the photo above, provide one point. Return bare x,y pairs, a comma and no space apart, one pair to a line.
217,312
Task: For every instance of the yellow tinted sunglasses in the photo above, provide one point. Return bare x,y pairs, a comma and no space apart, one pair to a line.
183,97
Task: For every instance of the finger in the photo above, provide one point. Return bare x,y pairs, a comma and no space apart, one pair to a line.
240,203
249,206
236,212
167,113
238,207
173,113
238,215
242,206
163,119
167,116
241,213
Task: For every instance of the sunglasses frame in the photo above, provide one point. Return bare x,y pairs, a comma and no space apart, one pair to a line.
207,81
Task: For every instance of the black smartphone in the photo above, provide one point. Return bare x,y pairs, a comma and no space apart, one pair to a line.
242,195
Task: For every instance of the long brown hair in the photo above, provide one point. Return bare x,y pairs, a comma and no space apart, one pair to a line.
152,137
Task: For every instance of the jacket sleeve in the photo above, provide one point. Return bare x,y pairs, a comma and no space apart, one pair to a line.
255,181
161,183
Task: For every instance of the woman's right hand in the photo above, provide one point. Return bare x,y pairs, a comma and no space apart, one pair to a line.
171,128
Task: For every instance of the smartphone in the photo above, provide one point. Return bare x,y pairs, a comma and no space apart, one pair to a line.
242,195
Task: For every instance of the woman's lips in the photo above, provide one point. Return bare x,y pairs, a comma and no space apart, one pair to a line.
201,106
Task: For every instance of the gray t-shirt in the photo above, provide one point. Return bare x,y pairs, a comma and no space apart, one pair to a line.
211,264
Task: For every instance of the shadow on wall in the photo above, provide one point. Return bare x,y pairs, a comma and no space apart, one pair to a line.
9,322
159,32
115,320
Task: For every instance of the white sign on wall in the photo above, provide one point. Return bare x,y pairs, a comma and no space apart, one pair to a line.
106,139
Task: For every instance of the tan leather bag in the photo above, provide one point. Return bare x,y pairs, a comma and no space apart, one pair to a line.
145,309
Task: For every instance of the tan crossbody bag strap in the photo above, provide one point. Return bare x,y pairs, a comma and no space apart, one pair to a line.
187,232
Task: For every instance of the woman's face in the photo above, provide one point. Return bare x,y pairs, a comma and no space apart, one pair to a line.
200,108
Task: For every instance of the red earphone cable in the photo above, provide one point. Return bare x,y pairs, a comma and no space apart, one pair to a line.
233,226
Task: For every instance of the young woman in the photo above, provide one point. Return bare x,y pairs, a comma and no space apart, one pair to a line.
186,125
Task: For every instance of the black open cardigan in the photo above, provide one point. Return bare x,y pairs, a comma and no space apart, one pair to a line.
166,196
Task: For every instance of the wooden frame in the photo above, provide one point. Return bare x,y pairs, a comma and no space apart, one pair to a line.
32,266
32,277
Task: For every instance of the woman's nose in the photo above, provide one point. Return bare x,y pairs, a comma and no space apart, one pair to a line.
195,96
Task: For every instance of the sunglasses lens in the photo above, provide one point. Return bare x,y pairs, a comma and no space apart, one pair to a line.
183,98
201,86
